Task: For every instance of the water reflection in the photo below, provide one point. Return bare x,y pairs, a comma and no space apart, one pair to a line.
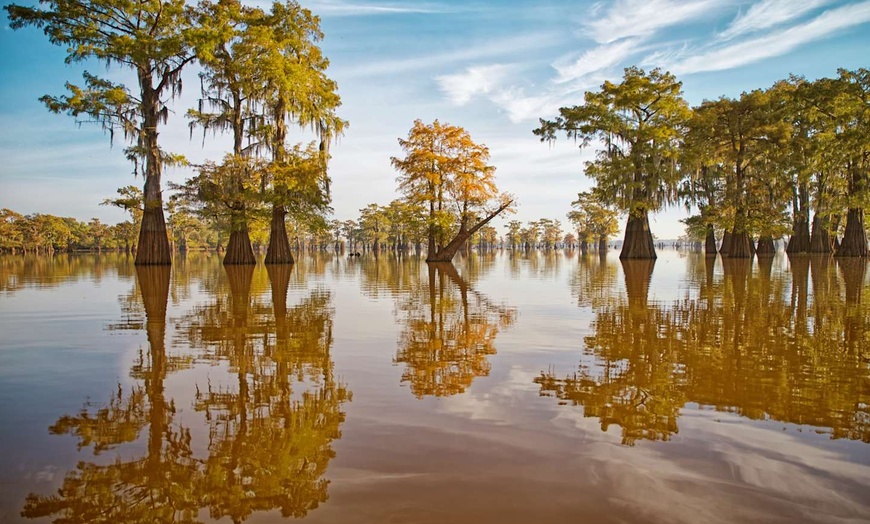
159,486
752,341
271,405
18,272
270,433
447,329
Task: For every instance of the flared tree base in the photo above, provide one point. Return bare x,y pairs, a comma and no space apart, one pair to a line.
710,241
278,251
638,242
854,242
766,247
800,238
153,246
239,249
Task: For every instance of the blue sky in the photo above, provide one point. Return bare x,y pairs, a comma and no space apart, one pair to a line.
492,67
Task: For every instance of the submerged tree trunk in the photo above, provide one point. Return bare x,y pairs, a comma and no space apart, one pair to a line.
740,246
854,242
446,253
584,247
820,239
602,244
239,249
153,242
278,251
638,242
766,247
800,237
725,248
710,241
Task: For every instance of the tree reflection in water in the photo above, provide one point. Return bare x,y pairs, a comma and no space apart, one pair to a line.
269,443
753,342
269,435
157,487
448,330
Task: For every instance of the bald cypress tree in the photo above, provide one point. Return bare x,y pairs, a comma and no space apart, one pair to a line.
638,124
149,37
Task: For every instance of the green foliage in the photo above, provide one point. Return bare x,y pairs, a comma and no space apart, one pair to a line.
638,124
592,219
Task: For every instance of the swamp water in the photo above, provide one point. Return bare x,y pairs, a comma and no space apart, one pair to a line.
502,388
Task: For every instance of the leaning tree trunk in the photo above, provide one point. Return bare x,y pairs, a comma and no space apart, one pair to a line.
638,242
446,253
153,241
278,251
854,242
710,241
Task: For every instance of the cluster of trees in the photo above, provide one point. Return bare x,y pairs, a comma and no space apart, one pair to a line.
755,167
39,233
263,72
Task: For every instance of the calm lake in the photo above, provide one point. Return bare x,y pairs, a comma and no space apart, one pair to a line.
504,388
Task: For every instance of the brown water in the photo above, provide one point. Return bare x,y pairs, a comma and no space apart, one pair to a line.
505,388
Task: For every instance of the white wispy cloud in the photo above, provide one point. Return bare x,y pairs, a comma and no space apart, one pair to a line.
521,107
776,43
769,13
341,8
492,49
479,80
642,18
600,58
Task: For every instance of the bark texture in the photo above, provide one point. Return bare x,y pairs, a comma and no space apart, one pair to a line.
239,249
741,245
638,242
854,242
710,241
725,248
766,247
278,251
820,239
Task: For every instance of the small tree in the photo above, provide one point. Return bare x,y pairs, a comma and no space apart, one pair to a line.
444,170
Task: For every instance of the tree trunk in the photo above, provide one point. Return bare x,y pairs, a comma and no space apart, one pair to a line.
446,253
584,247
638,242
820,239
278,251
602,244
725,248
710,241
239,249
153,241
741,245
766,247
854,242
800,238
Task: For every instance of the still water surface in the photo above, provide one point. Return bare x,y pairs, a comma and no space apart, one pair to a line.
503,388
